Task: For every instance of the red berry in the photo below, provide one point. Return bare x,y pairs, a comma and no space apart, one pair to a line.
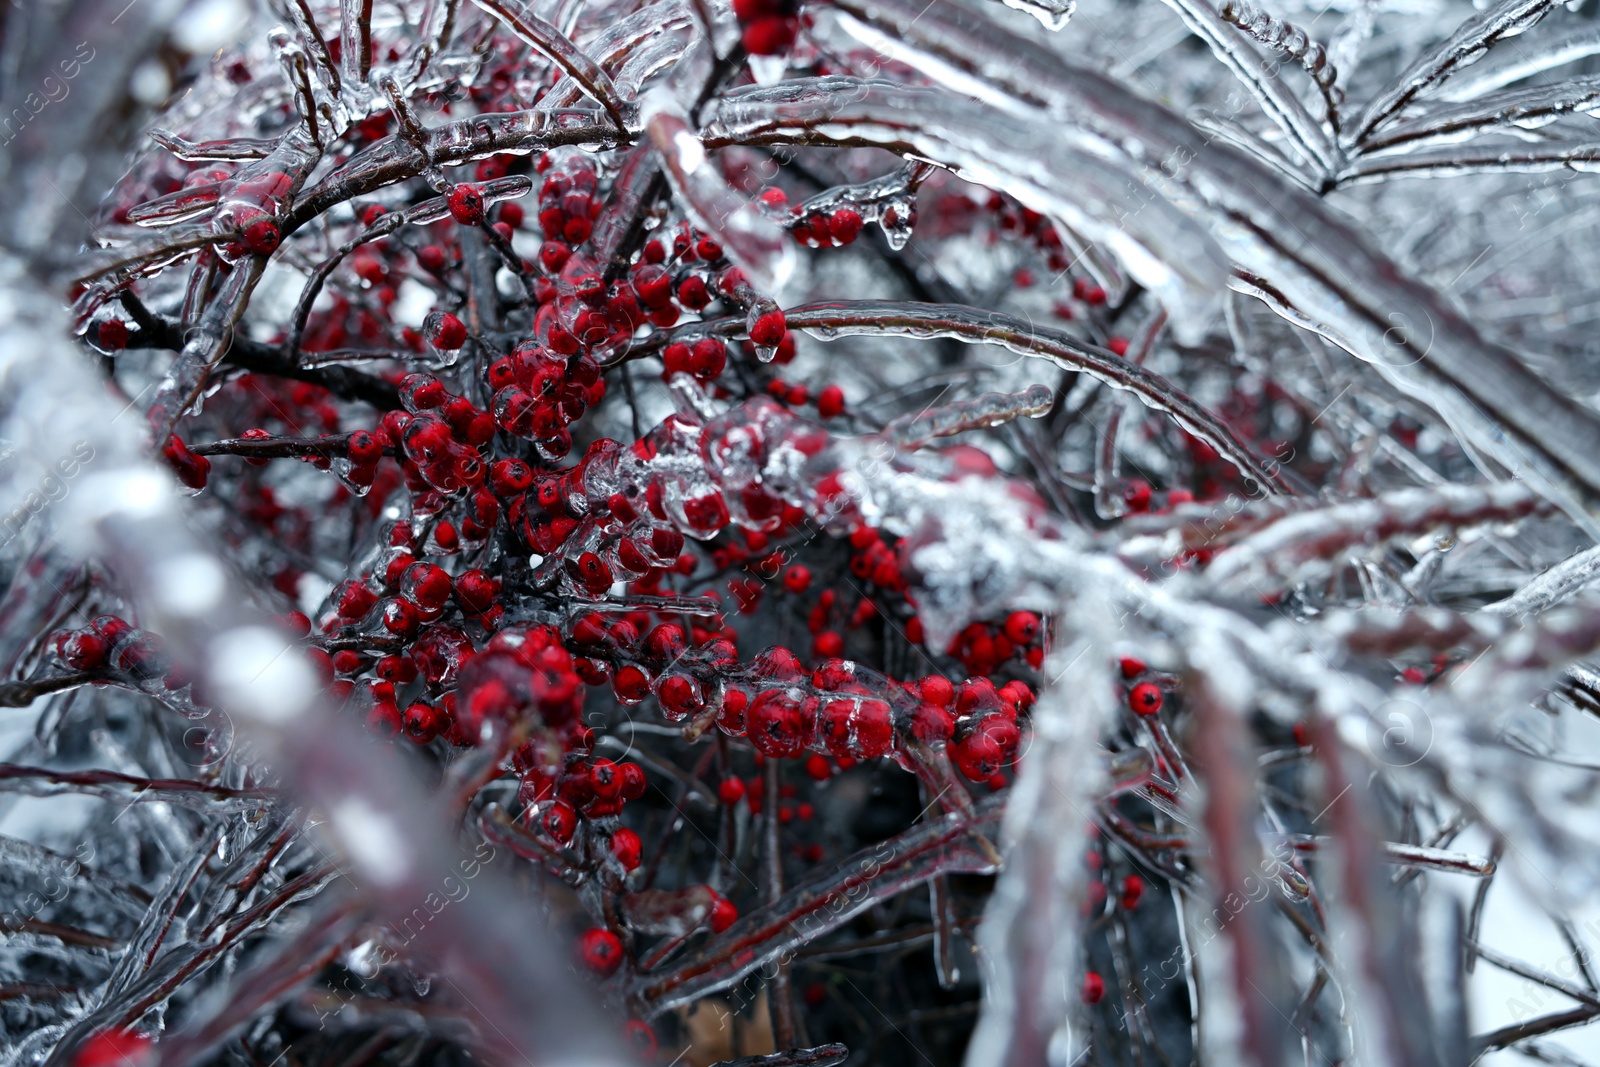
677,358
193,470
777,725
431,258
797,579
1022,627
605,780
363,449
113,335
400,617
601,951
384,719
396,669
642,1039
830,402
1094,988
1145,698
466,204
576,230
633,780
446,333
938,690
731,791
114,1048
652,285
692,293
475,591
591,572
560,822
1132,892
723,914
261,237
768,329
423,723
931,724
627,848
1018,694
770,35
85,651
426,584
352,600
553,255
708,358
977,756
844,225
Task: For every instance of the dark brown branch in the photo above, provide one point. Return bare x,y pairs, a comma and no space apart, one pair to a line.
44,782
820,1056
258,358
21,694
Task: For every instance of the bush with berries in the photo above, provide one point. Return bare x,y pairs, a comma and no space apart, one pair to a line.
791,535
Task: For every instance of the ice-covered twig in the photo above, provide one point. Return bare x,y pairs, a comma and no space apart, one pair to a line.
355,33
1321,534
1269,91
1292,41
1472,159
200,151
1561,582
44,782
1029,942
1471,39
536,32
1514,109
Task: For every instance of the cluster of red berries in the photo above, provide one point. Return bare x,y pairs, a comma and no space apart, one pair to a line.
831,230
423,640
1012,221
829,399
113,644
983,648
